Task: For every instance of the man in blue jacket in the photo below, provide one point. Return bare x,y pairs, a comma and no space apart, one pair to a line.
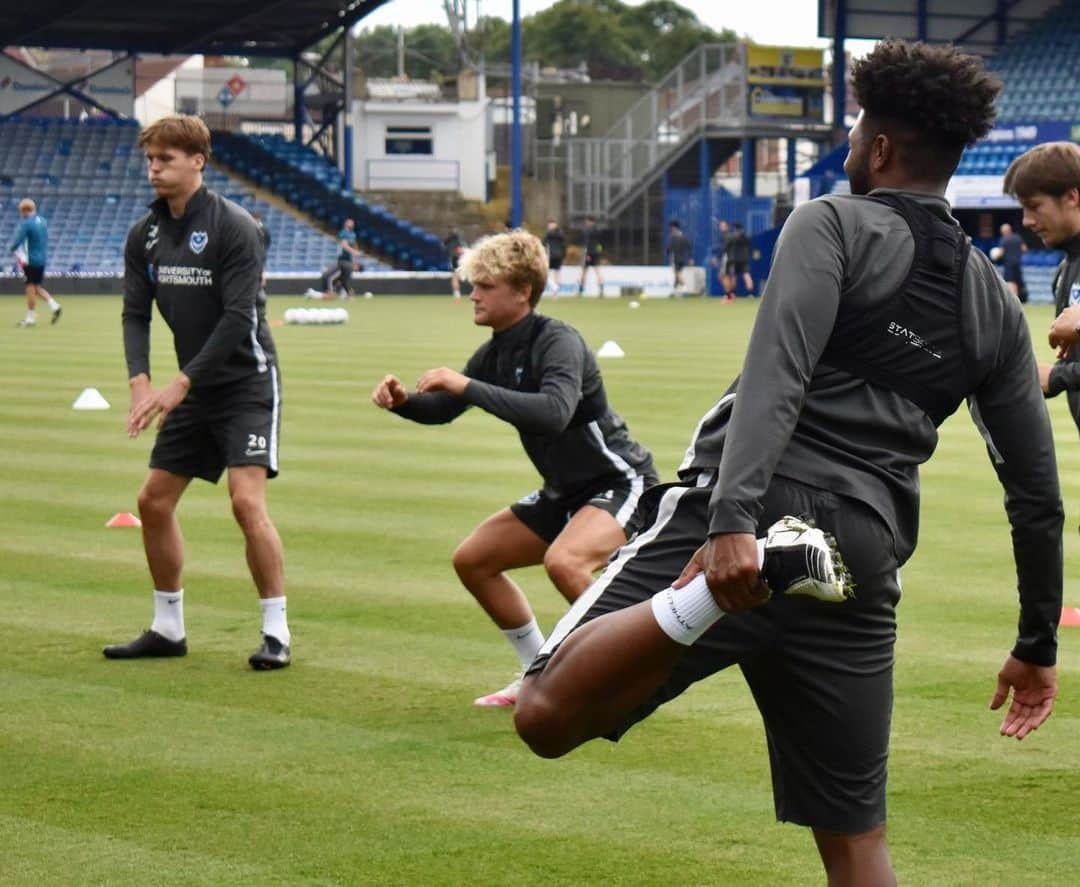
34,234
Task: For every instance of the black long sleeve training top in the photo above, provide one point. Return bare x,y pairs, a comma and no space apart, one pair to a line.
204,271
541,377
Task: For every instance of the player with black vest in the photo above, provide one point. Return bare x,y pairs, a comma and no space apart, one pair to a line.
199,257
876,323
538,374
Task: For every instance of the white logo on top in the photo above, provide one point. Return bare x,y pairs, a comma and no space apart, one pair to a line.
198,241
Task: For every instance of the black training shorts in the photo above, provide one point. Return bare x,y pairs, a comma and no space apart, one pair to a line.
547,516
821,673
34,273
236,424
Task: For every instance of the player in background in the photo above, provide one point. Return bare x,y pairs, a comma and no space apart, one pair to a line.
32,235
737,250
454,244
555,244
264,239
593,252
199,258
337,281
678,247
536,373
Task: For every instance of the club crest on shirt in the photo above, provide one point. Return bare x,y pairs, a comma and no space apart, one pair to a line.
197,242
1074,294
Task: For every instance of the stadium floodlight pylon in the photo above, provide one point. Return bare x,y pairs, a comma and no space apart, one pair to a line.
123,519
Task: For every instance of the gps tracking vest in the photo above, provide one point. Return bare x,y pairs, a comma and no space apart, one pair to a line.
912,343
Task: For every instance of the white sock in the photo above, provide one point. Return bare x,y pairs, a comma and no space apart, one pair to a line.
30,316
169,614
526,641
274,622
685,614
53,304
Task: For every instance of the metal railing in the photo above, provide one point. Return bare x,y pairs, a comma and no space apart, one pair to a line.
708,88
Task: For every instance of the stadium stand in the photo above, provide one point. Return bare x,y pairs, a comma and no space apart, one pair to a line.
89,181
1041,69
308,181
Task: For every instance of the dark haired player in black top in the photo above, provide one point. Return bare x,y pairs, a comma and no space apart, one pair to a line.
737,261
199,257
555,244
538,374
679,248
876,323
593,252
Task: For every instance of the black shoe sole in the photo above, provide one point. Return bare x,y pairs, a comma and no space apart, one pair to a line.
268,664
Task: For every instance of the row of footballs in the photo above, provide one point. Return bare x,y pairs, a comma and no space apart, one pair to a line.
316,315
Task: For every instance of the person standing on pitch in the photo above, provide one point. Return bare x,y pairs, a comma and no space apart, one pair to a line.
593,252
737,250
679,249
264,239
538,374
1012,255
454,244
555,244
198,256
877,322
34,233
1046,181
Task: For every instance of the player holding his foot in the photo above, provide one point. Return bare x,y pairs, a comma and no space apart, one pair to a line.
538,374
877,322
199,257
34,233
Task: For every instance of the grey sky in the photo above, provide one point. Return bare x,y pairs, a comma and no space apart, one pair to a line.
783,22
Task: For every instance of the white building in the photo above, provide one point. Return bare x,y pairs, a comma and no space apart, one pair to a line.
407,137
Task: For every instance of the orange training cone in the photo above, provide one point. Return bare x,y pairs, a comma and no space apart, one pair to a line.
123,519
1070,616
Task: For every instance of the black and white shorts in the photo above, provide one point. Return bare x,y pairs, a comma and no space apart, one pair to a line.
209,432
821,673
547,516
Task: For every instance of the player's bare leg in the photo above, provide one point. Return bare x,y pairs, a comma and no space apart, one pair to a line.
591,684
266,560
501,543
584,545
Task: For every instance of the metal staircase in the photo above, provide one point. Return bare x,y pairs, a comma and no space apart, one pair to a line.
705,96
707,90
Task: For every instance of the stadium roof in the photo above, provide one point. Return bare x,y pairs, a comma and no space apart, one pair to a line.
981,26
215,27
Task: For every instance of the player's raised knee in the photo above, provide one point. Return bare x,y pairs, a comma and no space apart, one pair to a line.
540,722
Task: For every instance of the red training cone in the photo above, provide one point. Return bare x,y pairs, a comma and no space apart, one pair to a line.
123,519
1070,616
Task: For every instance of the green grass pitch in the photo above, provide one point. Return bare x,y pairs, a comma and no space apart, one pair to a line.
365,763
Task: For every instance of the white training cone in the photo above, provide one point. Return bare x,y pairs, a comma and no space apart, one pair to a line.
610,349
90,399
